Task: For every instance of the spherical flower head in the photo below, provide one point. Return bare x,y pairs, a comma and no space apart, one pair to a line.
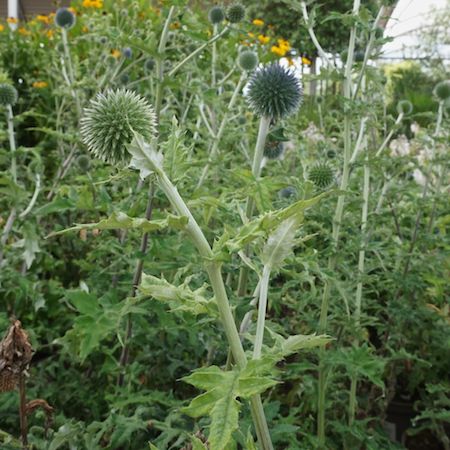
216,15
110,121
127,52
149,64
442,90
274,91
321,175
287,192
65,18
404,107
8,94
84,163
235,13
273,149
248,60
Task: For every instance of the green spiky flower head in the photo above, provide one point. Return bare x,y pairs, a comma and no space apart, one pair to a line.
65,18
273,149
274,91
322,175
110,121
235,13
404,107
84,163
248,60
216,15
442,90
8,94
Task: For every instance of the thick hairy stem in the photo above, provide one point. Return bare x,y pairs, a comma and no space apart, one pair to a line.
215,276
214,57
336,232
264,125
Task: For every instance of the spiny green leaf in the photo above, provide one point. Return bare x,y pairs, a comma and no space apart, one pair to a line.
280,242
179,298
119,220
224,420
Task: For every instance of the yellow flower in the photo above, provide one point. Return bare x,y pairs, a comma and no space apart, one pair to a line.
92,4
290,62
23,31
175,25
40,84
277,50
116,53
12,20
306,61
49,34
258,22
263,39
43,19
1,27
252,35
85,29
73,11
282,43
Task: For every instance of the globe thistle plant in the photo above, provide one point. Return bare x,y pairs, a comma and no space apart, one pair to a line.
322,175
442,90
404,107
235,13
110,121
216,15
248,60
65,18
274,91
8,94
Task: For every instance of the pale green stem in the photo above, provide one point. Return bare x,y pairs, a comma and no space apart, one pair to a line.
71,71
359,140
12,141
264,125
368,49
389,136
221,130
336,232
262,306
214,272
33,198
359,287
437,131
214,57
196,52
313,36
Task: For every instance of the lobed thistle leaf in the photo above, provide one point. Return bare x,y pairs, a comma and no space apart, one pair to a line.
248,60
321,175
274,91
404,107
235,13
64,18
8,94
111,121
442,90
216,15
